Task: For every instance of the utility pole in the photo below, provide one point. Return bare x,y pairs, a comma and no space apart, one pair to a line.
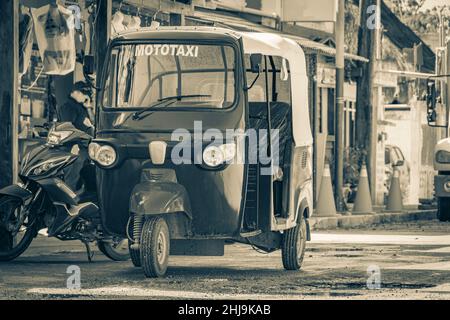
9,109
366,112
339,31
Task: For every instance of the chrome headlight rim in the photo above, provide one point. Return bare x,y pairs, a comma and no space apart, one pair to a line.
92,150
225,154
103,148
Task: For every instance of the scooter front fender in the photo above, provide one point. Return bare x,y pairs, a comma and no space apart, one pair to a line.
152,198
16,191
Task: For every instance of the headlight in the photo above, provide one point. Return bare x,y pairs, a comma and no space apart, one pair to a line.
214,156
92,150
106,156
443,157
55,137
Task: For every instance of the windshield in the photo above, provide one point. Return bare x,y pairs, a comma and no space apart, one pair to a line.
187,75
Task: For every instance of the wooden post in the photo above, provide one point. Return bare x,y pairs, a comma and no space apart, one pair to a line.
102,33
9,109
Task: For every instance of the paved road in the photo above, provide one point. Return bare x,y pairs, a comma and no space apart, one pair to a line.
413,262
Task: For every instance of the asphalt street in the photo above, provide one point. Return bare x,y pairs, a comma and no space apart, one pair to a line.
396,261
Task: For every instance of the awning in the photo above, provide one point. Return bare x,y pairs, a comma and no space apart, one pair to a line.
241,24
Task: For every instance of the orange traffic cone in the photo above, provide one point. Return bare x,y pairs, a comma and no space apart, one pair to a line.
394,201
325,205
363,201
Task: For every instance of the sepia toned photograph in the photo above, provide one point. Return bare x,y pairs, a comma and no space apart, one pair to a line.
230,156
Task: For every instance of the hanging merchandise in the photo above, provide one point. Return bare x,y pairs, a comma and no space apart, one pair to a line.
25,42
54,29
117,23
135,23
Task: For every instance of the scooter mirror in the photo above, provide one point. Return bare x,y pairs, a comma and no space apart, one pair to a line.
88,64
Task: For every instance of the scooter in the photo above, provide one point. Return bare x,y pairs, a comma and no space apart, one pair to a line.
43,202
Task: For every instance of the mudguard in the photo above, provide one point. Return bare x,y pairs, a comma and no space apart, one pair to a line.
16,191
158,197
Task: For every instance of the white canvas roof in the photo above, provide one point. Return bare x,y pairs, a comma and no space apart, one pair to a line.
275,45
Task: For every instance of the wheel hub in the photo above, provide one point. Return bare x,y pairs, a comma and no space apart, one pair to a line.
161,248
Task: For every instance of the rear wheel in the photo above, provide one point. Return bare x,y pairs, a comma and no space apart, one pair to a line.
116,250
15,236
155,247
443,212
293,247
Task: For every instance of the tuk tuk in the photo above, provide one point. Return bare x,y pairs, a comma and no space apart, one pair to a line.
203,138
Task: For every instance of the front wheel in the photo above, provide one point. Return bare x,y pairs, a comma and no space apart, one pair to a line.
293,247
135,255
16,234
155,247
443,212
116,250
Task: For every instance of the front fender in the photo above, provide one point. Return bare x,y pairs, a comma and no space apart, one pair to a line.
16,191
151,198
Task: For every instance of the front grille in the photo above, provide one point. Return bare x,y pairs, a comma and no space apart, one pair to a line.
154,175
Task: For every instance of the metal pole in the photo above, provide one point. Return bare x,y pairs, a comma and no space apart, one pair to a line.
447,71
377,107
339,115
9,109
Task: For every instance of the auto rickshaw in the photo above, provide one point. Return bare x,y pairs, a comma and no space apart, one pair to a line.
166,177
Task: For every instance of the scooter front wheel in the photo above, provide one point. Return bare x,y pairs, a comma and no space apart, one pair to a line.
13,243
155,247
116,250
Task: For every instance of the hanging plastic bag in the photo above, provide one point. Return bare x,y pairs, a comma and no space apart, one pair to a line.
54,29
25,42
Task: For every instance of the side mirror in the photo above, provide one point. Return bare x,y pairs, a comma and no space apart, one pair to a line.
88,65
255,62
399,163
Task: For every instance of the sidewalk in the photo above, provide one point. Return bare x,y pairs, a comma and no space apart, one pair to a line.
379,217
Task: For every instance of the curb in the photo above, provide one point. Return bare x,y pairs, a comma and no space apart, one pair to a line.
325,223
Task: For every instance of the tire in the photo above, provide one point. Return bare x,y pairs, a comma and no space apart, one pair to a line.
443,212
7,250
155,247
113,251
135,255
293,246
